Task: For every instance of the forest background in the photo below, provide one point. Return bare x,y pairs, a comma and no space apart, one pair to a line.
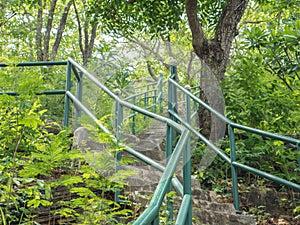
256,73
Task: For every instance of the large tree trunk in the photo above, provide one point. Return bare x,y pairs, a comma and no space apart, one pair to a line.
214,55
215,52
211,126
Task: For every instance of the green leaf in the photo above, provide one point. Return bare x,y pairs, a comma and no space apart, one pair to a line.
83,192
67,180
37,202
278,143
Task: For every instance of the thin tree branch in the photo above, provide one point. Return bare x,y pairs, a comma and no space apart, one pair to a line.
48,29
90,46
61,29
253,22
190,64
149,68
79,29
168,46
158,46
2,23
199,40
39,27
146,47
86,39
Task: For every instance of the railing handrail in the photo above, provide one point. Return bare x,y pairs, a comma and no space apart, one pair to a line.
151,212
240,165
231,160
236,125
152,83
168,171
160,118
28,64
128,149
179,124
138,94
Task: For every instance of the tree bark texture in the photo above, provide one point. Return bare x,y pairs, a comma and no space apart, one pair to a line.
86,40
43,40
61,28
39,27
215,52
48,29
214,55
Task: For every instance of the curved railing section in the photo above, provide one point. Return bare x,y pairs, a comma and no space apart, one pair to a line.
174,86
147,96
151,214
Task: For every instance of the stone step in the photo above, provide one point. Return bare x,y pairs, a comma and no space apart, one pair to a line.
154,153
145,179
206,210
205,195
149,142
214,206
209,217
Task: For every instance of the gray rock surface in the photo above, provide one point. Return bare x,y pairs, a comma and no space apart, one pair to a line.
206,209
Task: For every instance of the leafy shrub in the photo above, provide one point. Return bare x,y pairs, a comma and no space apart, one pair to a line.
272,156
35,164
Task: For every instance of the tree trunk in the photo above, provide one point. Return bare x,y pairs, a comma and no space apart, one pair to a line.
43,42
61,28
48,30
214,55
86,41
39,27
211,126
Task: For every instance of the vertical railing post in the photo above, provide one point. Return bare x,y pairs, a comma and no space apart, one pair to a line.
117,125
187,183
298,149
133,117
146,102
146,97
67,99
154,101
79,97
235,192
171,134
160,91
155,221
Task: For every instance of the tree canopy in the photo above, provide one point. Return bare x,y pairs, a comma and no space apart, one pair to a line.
213,31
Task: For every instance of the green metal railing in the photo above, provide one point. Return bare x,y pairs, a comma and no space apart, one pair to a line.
151,214
34,64
177,136
148,96
231,126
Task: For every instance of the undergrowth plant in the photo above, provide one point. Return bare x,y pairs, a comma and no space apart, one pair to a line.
35,165
20,132
268,155
272,156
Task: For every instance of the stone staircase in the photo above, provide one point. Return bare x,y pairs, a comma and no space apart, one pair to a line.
206,209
